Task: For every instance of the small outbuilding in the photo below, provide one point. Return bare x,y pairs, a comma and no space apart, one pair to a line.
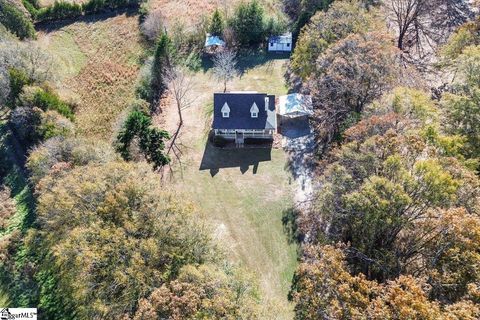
281,43
295,105
213,43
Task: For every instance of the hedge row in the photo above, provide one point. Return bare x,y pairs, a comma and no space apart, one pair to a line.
66,10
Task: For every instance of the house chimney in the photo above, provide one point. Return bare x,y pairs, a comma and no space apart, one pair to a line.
267,103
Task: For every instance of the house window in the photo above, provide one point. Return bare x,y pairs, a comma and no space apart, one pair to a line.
288,44
271,44
225,111
254,110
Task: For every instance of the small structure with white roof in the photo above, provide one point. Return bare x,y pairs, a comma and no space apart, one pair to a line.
295,105
282,43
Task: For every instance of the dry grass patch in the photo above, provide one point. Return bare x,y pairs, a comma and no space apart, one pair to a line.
191,12
98,63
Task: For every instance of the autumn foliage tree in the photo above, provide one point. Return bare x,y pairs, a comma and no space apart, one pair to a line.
205,292
323,30
396,199
113,235
351,74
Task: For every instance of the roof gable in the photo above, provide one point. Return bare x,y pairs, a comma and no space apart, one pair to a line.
241,106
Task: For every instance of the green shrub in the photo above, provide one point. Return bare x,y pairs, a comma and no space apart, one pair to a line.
32,7
93,6
49,100
18,80
100,5
53,124
59,11
15,21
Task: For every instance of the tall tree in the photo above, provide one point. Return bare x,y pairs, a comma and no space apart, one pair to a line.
248,23
422,24
151,140
161,62
217,23
350,75
324,29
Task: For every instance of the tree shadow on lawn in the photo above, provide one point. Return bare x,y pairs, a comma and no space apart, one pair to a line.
290,225
247,59
215,158
50,26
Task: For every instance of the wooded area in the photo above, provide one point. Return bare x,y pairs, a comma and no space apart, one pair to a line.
101,216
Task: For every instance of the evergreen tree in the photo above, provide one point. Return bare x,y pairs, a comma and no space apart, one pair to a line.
160,63
248,23
217,24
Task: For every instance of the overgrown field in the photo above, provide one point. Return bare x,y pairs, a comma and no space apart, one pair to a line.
97,62
191,12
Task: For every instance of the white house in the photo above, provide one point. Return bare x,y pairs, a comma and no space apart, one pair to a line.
281,43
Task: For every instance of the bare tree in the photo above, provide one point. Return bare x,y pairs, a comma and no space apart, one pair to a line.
423,24
180,86
225,67
153,25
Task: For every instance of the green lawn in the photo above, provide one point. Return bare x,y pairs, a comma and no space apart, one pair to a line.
245,192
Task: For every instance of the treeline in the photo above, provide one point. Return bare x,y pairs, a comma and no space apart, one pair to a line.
248,26
66,10
393,230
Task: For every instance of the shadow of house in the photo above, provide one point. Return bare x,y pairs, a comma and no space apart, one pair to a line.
215,158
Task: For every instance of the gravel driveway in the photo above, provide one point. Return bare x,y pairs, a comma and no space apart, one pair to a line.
299,143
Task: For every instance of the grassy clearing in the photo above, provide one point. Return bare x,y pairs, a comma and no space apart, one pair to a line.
97,63
244,193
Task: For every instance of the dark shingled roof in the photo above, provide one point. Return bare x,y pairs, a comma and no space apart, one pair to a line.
240,117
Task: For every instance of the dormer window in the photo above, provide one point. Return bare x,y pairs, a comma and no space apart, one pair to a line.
254,110
225,111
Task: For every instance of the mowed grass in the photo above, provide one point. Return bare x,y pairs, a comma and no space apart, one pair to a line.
97,63
244,202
